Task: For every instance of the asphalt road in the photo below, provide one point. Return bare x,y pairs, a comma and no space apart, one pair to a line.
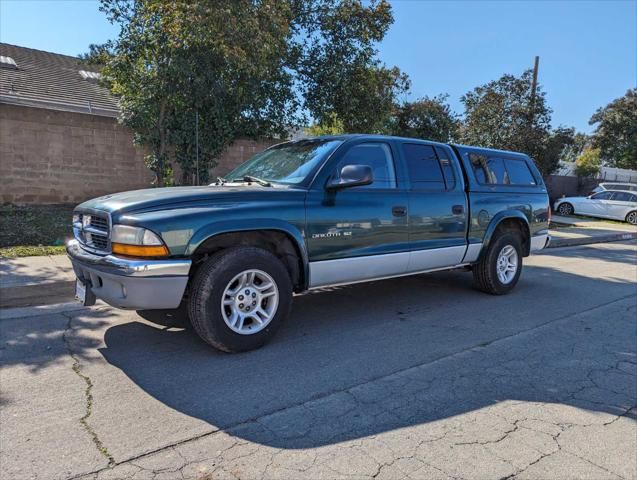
419,377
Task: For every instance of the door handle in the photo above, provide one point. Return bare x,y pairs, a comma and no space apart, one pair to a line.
457,209
398,211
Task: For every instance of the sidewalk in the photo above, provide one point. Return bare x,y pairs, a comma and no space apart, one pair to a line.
569,231
46,280
29,281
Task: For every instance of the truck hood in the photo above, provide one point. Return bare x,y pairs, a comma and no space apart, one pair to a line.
152,199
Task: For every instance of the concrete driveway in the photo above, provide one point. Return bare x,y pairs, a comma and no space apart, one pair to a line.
419,377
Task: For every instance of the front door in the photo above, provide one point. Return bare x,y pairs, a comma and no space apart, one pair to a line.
438,207
358,233
596,206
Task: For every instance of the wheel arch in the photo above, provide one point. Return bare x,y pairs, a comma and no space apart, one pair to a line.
281,238
508,220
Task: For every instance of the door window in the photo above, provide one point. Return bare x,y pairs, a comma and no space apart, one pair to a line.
447,168
622,197
425,172
602,196
377,156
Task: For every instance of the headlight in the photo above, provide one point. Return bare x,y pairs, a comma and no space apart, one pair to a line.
136,242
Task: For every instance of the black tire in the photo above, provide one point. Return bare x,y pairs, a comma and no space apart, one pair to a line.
208,287
632,217
485,275
565,209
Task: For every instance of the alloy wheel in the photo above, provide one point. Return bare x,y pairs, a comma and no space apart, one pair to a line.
249,302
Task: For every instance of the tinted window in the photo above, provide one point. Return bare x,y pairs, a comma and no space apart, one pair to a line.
376,155
447,167
423,167
489,170
479,165
602,195
623,197
519,173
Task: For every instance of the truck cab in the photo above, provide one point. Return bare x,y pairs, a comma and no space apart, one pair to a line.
306,215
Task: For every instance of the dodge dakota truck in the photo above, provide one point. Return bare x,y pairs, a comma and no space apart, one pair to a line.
304,215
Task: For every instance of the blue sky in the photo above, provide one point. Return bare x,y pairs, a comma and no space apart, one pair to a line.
587,49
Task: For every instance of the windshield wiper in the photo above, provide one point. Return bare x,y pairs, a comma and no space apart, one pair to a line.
221,181
251,179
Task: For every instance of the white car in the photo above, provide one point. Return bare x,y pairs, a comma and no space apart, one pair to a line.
614,204
631,187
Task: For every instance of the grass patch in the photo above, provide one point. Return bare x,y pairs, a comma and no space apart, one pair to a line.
30,251
34,230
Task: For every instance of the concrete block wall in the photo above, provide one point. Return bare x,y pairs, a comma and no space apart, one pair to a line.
55,157
50,156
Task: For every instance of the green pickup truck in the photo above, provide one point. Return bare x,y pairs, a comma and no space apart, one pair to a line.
309,214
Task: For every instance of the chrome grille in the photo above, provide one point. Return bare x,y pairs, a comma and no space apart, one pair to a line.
92,230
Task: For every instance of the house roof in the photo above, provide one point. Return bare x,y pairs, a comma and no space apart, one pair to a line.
53,81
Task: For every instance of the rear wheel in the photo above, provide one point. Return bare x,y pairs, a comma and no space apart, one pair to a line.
632,217
499,271
239,298
565,209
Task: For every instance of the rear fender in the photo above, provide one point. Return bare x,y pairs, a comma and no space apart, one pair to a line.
496,221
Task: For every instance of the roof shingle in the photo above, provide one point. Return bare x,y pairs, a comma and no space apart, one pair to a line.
50,80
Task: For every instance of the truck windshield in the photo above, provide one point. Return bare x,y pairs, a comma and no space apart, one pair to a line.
288,163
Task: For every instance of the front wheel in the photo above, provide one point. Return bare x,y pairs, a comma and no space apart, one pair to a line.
239,298
632,217
499,271
565,209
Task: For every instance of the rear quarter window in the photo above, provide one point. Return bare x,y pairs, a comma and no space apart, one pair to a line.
493,170
519,172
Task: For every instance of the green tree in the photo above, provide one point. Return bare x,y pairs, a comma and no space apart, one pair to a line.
244,69
218,58
331,126
589,163
616,131
428,118
338,72
575,146
502,114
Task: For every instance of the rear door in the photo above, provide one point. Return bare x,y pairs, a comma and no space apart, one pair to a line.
358,233
620,204
437,206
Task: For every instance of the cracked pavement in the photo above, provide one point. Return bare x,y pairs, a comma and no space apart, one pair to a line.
419,377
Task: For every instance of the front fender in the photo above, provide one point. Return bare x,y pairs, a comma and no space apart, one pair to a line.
495,221
234,226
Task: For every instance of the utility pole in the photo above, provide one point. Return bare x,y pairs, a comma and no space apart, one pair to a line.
534,85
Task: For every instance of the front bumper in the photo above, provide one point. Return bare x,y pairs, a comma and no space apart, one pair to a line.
130,283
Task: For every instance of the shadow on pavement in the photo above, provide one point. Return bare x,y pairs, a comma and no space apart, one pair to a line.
339,340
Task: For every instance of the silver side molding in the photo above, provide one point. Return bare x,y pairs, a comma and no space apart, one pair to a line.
473,252
345,271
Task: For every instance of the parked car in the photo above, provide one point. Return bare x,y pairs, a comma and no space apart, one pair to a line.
614,204
306,215
630,187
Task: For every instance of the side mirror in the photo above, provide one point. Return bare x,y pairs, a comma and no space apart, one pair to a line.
352,176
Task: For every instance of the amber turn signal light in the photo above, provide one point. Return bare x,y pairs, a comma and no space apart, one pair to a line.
139,250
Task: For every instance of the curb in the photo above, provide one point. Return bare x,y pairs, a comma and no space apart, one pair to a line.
570,242
37,294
